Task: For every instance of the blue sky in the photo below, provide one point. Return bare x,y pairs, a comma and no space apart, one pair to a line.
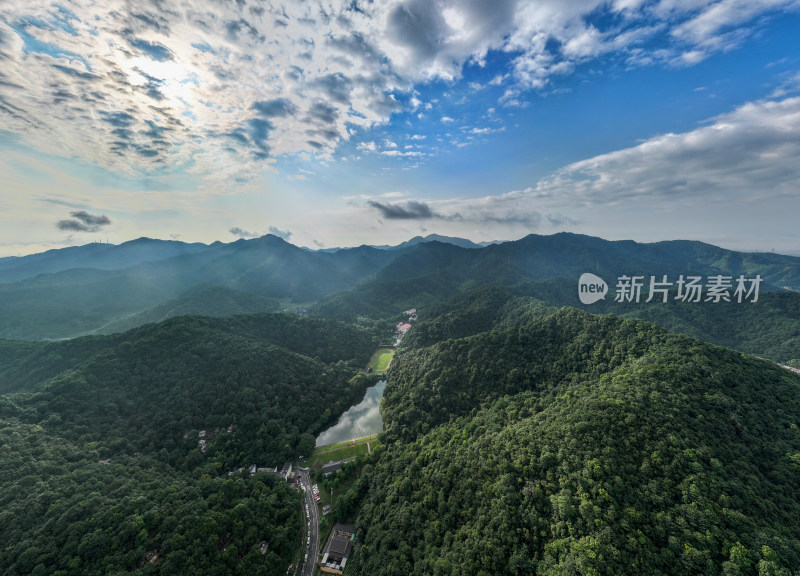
341,123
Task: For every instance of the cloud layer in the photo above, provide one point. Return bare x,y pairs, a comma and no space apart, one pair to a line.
745,155
220,89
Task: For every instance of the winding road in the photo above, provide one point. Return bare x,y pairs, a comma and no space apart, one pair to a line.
312,548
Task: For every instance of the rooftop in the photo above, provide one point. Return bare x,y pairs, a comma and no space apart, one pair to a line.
339,546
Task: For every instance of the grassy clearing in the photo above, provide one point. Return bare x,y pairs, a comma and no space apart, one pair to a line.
380,361
327,522
345,450
330,447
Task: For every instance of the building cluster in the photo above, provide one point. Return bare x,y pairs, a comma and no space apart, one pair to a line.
339,548
400,332
285,472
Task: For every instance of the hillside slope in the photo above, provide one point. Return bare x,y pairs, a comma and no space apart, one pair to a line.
116,457
769,328
568,443
72,302
214,301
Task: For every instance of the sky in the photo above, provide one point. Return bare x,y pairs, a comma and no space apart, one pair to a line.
339,123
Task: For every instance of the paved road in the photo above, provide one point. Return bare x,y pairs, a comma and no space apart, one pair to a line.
312,549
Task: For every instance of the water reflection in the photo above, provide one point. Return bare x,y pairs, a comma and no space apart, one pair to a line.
363,419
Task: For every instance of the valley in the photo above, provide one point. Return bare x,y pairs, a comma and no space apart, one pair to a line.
518,431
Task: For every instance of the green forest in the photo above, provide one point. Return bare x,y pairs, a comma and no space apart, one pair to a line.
770,328
572,443
125,453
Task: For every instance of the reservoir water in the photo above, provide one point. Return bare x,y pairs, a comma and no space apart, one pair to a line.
363,419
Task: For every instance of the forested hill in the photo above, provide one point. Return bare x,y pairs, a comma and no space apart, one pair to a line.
23,365
275,377
118,460
769,328
570,443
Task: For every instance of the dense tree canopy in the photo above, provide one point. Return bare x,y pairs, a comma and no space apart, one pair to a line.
64,512
577,444
126,455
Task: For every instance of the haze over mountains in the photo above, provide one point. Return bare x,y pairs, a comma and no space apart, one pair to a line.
115,257
101,288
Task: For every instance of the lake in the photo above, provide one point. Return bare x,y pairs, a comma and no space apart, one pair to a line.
363,419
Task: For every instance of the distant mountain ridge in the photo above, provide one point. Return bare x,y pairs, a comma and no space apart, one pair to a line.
460,242
84,290
101,256
147,250
421,276
94,255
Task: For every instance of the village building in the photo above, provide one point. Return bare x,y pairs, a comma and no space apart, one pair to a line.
339,548
286,471
331,467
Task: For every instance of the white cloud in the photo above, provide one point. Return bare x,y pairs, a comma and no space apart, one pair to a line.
221,89
485,131
790,85
747,157
368,146
744,156
711,27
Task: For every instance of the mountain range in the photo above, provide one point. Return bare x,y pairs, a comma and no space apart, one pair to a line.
102,288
